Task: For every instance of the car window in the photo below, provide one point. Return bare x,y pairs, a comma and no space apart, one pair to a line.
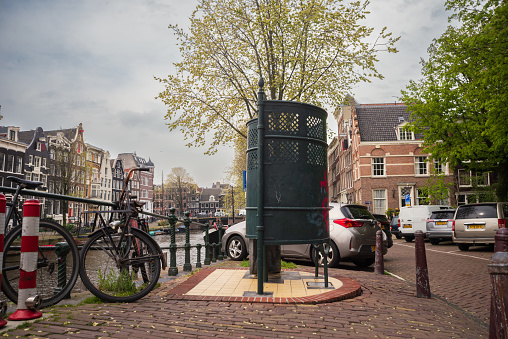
442,215
357,212
505,211
477,211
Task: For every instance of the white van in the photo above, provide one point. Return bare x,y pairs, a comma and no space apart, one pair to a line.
414,218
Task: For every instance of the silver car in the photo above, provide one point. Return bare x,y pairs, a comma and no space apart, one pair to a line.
352,233
439,226
478,223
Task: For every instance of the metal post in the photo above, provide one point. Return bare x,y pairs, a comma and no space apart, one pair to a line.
379,266
207,246
498,270
172,270
326,250
198,260
219,242
187,267
61,250
422,275
260,227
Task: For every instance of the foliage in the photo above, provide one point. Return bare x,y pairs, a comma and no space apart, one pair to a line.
235,173
91,300
436,189
180,186
460,104
390,213
287,265
121,283
312,51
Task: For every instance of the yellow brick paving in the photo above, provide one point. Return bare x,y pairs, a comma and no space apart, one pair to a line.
234,283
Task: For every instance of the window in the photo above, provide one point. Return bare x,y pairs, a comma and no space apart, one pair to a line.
422,197
28,176
378,167
39,146
379,197
52,154
37,162
464,178
2,161
44,162
35,176
405,134
482,179
10,163
18,165
438,167
421,165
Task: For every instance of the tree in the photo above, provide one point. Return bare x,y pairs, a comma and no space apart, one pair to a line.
460,104
181,185
312,51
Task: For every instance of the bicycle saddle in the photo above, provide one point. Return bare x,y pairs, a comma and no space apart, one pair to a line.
25,183
135,203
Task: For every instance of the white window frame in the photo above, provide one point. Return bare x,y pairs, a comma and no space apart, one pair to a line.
419,167
379,202
405,134
378,168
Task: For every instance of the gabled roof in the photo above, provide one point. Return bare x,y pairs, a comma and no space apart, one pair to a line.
26,137
207,192
69,133
378,122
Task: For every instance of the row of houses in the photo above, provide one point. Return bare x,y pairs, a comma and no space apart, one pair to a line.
376,161
68,165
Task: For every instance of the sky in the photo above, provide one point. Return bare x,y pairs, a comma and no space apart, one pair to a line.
65,62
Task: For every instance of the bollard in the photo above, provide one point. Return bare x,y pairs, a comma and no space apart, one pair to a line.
172,270
61,250
3,208
187,267
221,256
28,262
379,266
198,260
207,246
422,275
498,270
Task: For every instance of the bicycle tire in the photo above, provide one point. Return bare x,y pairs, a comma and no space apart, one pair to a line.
48,265
130,279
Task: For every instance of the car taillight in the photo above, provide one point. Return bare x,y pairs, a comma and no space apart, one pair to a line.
453,226
348,222
501,223
398,223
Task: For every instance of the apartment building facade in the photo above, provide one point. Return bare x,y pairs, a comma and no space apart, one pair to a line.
376,161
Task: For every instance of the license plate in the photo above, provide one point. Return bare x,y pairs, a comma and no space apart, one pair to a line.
475,227
373,248
440,222
407,226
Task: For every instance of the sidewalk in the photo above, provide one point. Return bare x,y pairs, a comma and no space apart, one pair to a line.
184,307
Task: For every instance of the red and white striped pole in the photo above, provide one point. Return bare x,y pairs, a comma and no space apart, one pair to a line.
3,208
28,261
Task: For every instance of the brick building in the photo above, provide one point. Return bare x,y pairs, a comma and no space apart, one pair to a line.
375,161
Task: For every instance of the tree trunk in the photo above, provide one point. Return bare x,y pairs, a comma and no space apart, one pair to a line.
272,258
502,182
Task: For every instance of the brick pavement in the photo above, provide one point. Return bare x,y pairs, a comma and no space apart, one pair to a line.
387,308
457,277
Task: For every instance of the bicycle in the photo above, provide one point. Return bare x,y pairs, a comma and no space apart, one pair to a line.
58,254
119,262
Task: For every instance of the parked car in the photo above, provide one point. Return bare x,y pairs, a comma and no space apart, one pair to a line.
414,218
385,226
478,223
394,227
439,226
352,238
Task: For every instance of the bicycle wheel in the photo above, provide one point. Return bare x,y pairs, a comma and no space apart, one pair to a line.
57,263
119,268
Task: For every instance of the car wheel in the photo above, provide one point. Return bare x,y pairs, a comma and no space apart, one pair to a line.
364,262
333,256
408,239
398,236
236,248
434,241
463,247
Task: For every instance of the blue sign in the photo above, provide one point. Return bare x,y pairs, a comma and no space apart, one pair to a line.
244,181
408,199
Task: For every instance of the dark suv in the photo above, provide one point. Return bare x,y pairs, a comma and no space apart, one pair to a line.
394,227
